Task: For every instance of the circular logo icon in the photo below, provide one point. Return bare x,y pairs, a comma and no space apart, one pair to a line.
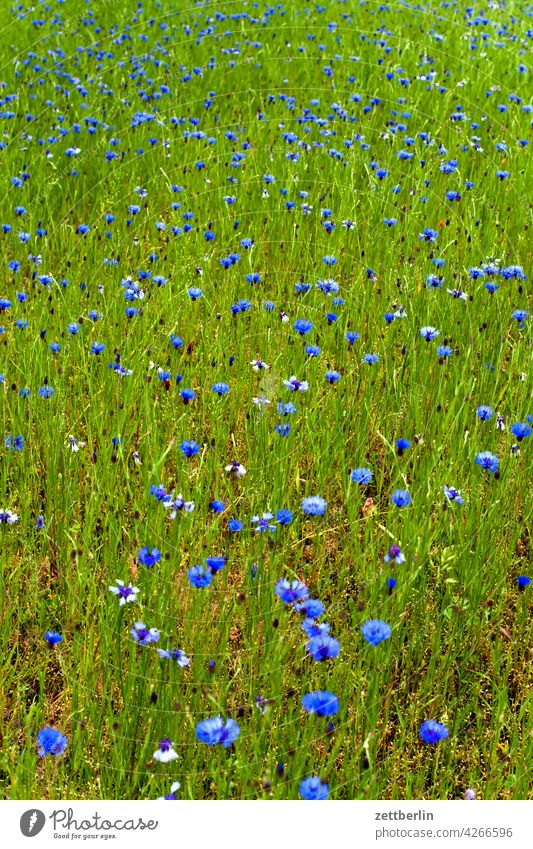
32,822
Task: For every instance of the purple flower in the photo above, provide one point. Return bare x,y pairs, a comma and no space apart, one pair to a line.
395,553
143,635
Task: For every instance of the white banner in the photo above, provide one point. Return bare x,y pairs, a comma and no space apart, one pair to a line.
268,824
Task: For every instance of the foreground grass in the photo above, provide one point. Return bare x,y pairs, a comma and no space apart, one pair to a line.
461,627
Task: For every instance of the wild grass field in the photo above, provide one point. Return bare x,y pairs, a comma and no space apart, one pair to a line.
265,359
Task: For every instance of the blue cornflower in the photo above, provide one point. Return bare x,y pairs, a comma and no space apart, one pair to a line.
432,731
97,347
312,350
159,492
523,581
312,608
73,327
323,646
313,788
375,631
485,412
242,305
46,391
283,429
352,336
321,702
216,562
289,592
50,741
518,429
53,637
200,576
187,395
217,506
55,347
213,731
314,629
444,351
401,497
371,358
220,388
177,341
16,443
332,376
428,333
520,316
189,447
143,635
303,325
235,525
286,409
361,476
402,445
314,505
283,516
487,461
194,293
147,557
428,235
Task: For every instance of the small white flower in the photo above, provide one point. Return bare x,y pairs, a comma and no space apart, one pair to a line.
165,753
296,385
173,789
8,516
127,592
179,504
257,365
74,443
261,401
237,468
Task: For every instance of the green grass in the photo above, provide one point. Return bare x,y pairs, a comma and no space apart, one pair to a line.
461,629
